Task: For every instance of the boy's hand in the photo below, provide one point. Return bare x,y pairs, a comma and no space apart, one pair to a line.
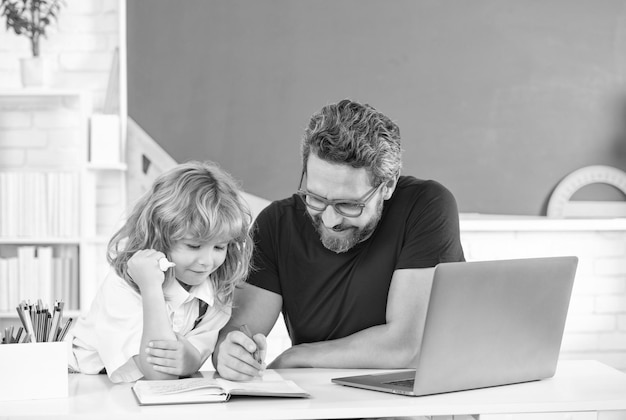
143,268
176,357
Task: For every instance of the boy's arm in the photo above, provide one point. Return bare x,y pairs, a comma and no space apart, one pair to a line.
391,345
258,309
189,352
143,267
156,326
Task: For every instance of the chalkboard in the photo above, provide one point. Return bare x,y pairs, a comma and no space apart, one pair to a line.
497,99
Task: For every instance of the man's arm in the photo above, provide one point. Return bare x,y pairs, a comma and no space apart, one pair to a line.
258,309
391,345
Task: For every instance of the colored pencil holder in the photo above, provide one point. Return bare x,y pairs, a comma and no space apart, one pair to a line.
32,371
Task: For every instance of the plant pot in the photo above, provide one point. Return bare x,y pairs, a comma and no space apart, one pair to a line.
32,71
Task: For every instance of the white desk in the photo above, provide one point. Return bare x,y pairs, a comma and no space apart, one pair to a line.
580,387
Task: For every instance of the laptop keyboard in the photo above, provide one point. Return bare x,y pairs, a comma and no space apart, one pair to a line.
408,383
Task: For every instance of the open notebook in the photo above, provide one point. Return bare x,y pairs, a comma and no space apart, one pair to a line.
488,323
207,387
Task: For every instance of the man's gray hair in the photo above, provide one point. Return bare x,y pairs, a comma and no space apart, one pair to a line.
355,134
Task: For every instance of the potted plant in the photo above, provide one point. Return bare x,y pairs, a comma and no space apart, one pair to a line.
30,18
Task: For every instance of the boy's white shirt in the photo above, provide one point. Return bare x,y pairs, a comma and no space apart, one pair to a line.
110,334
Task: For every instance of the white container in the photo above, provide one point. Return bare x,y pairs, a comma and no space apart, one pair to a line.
33,371
33,71
104,139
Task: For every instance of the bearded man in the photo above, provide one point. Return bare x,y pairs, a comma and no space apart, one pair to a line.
348,258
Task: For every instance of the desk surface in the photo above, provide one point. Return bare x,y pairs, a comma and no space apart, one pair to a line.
576,387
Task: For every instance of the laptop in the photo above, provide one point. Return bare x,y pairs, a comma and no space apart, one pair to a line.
488,323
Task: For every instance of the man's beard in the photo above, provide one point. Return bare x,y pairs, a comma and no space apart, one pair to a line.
343,244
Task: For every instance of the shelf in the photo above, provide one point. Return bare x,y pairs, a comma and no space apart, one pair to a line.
78,253
41,92
101,187
472,222
39,241
107,166
96,240
47,94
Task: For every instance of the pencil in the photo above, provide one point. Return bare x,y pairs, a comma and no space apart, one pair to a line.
26,321
244,329
56,319
65,328
18,336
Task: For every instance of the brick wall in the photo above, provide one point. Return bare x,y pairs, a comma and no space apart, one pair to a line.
79,49
596,322
41,132
79,52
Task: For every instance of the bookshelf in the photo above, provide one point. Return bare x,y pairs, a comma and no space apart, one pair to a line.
57,209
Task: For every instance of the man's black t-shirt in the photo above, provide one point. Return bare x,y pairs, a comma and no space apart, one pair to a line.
328,295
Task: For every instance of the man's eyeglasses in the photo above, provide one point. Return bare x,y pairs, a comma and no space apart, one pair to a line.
346,208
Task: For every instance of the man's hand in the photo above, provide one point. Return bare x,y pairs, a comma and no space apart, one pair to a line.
176,357
233,355
235,360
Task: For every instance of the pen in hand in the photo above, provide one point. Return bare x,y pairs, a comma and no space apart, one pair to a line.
244,329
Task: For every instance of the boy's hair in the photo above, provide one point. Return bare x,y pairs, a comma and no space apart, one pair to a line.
196,199
355,134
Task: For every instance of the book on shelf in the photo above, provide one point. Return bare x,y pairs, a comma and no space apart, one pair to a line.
14,285
208,387
43,277
36,270
5,302
27,265
39,204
